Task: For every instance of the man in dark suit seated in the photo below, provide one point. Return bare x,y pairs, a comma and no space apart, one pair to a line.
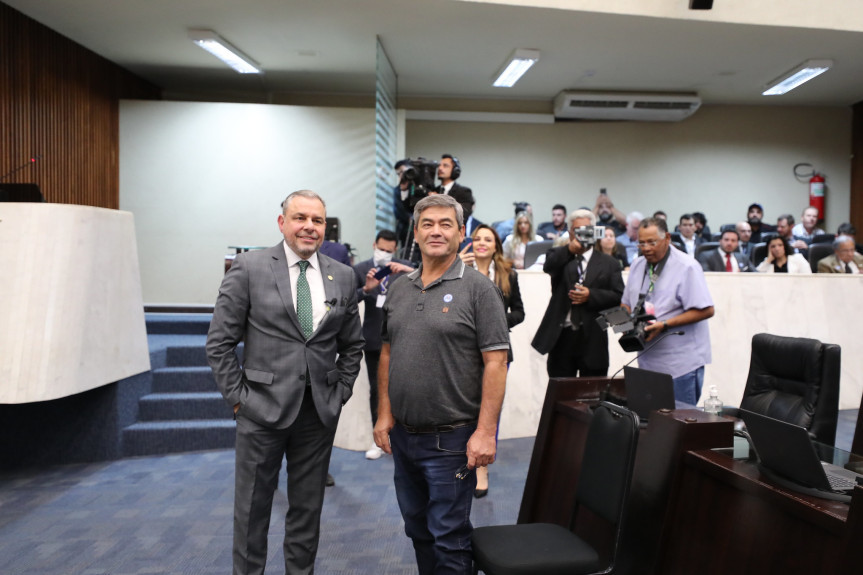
584,282
744,233
688,237
726,258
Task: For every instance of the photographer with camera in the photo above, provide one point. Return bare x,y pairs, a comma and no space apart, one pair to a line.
583,282
672,287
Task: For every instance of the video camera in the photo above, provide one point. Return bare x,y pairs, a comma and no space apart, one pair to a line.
632,325
587,236
419,174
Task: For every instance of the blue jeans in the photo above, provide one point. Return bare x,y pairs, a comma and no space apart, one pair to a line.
687,387
435,505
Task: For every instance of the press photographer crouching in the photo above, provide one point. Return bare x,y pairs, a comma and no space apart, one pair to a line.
674,290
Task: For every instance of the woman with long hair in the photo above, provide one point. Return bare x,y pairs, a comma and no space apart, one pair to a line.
515,244
781,259
608,245
485,253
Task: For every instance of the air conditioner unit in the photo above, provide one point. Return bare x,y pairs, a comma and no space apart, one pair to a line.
625,106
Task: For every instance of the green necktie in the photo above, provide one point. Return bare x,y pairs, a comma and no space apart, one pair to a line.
304,302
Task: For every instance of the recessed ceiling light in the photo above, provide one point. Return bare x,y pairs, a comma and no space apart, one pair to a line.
514,68
793,78
224,51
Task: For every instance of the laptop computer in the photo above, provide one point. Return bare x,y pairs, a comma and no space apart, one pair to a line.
647,391
786,450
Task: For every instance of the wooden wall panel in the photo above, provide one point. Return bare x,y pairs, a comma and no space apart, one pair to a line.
60,101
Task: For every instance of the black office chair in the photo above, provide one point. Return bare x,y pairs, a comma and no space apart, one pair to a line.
603,488
818,252
535,249
759,252
823,239
767,236
794,379
705,247
726,227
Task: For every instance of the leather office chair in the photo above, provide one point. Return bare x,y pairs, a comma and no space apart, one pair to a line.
823,239
759,252
818,252
767,236
705,247
603,488
794,379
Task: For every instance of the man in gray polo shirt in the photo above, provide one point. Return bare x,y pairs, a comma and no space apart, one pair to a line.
441,384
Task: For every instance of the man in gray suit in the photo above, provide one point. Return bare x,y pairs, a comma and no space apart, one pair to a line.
296,311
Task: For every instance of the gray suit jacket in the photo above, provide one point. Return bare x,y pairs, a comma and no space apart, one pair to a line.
255,305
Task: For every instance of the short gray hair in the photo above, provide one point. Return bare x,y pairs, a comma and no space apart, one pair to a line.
582,213
305,194
837,243
634,216
441,200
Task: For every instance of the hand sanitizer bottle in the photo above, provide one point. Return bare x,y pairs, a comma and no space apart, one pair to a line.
713,404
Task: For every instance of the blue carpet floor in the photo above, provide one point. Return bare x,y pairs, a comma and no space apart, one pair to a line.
172,515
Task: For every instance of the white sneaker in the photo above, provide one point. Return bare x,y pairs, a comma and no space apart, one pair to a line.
374,453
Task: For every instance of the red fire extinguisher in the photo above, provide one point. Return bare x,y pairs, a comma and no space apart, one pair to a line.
816,194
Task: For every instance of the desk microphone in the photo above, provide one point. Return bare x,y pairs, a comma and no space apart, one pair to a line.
21,167
657,340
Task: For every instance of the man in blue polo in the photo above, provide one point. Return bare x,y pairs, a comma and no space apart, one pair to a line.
674,291
441,384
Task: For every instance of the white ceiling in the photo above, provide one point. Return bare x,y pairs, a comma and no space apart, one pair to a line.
451,49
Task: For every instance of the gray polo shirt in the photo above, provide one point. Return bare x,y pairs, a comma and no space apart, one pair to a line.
437,335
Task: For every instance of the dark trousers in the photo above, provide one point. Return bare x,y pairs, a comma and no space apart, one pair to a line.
568,357
373,358
435,504
306,446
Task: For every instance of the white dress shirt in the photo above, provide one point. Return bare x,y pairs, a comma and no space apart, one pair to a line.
316,283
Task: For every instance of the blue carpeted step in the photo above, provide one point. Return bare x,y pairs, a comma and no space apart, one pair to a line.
183,379
173,406
190,355
178,323
157,437
179,356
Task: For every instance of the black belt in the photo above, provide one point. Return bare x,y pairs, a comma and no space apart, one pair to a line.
437,428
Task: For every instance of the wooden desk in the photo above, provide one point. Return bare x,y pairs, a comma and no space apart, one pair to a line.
727,517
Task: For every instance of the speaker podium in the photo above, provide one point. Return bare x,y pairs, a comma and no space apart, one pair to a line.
71,307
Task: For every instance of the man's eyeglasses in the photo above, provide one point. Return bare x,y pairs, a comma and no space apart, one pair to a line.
648,243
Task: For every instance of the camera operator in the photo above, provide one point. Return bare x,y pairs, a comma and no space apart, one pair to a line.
584,281
675,292
400,210
448,171
416,181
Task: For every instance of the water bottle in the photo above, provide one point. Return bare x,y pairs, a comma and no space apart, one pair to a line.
713,404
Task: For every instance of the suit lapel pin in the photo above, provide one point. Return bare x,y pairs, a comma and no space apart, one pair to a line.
330,278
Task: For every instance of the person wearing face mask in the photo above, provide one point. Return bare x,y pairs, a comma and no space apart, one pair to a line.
373,291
